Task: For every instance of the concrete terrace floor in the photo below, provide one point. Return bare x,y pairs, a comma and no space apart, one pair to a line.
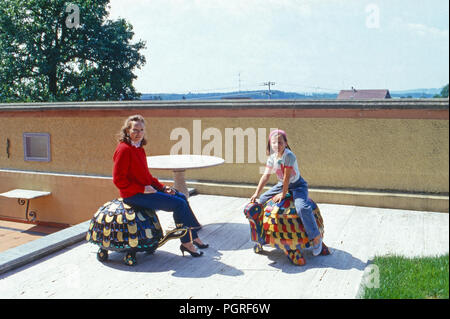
230,268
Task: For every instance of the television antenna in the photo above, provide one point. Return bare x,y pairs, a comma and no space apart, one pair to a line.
269,84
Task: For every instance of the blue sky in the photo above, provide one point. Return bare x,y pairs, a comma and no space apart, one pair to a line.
301,45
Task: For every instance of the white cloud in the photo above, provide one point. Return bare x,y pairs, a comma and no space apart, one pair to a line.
424,30
240,7
230,7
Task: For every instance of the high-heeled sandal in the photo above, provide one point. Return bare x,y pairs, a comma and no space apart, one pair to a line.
201,246
193,253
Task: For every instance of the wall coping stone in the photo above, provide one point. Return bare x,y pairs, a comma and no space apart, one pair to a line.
386,104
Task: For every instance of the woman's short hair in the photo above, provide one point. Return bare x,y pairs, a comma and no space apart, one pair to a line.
123,134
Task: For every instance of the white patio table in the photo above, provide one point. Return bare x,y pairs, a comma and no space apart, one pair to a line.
178,164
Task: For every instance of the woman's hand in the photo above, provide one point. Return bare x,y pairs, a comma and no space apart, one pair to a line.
169,190
149,189
278,197
253,198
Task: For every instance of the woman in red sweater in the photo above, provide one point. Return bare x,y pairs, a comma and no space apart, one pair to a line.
138,187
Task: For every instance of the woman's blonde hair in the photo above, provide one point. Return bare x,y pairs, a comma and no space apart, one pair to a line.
124,135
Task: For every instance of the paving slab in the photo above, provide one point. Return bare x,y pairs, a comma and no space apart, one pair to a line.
229,268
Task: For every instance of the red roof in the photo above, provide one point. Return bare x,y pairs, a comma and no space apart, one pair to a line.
363,94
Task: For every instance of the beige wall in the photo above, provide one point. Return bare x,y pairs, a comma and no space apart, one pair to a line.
396,150
394,154
73,199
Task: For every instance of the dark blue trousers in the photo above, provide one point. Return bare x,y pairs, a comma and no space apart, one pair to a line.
178,204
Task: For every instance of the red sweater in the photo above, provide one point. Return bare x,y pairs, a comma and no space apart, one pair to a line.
130,171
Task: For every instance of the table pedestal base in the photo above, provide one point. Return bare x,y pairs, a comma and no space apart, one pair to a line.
179,182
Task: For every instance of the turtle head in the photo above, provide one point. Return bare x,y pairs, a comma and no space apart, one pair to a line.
253,212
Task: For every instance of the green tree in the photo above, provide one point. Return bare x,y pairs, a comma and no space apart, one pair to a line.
51,50
444,91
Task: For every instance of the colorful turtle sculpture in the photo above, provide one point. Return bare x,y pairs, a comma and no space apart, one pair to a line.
279,226
117,226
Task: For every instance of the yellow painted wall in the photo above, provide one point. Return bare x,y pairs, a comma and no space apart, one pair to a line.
385,154
340,152
392,154
73,199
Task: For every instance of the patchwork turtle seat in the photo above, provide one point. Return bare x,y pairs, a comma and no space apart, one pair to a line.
117,226
279,226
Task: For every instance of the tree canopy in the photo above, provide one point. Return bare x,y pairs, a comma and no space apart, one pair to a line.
444,91
51,50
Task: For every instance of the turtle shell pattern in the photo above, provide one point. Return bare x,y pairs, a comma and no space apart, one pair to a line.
283,227
120,227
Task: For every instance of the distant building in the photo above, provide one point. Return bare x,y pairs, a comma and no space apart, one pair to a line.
363,94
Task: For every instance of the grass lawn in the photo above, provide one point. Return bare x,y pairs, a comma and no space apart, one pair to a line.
408,278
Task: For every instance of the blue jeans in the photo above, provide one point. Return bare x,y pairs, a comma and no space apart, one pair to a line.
178,204
299,190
